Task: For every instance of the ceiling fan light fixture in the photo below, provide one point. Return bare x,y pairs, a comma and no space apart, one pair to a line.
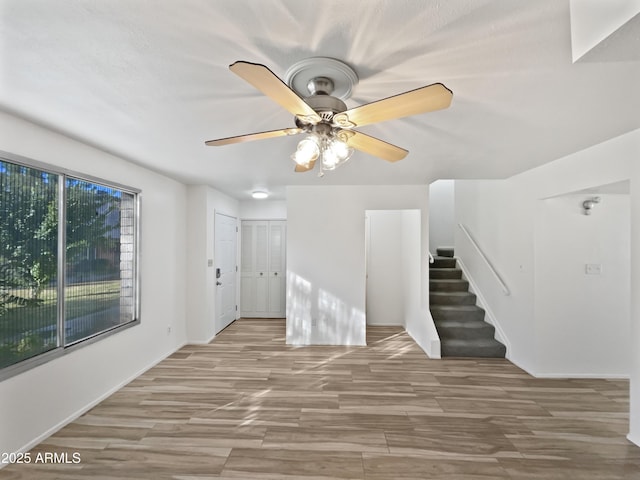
335,153
341,149
308,151
259,194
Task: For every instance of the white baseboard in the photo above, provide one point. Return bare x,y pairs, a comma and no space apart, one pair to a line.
600,376
518,364
201,342
634,439
432,350
489,316
86,408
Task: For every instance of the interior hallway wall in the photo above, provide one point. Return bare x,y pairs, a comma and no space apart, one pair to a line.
203,203
441,214
326,259
262,210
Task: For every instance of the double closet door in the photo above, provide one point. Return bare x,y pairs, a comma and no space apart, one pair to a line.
262,276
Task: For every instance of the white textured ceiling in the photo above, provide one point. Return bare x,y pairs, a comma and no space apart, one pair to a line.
148,80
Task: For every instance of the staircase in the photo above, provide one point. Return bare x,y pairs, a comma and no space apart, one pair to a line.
459,321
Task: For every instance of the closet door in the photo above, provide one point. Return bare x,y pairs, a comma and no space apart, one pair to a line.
262,278
247,267
277,240
261,272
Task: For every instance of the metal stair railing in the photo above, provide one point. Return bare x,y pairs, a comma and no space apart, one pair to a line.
495,273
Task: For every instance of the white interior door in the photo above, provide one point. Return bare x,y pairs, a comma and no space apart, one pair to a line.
277,238
247,269
225,264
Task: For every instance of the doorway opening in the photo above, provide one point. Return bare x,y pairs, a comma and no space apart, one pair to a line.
392,249
442,215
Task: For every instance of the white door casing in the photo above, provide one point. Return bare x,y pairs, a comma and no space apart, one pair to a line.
225,270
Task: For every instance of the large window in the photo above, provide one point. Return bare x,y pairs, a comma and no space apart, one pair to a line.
68,257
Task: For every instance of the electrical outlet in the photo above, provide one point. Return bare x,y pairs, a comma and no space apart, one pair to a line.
593,268
314,322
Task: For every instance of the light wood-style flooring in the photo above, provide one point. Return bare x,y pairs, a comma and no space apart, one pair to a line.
247,406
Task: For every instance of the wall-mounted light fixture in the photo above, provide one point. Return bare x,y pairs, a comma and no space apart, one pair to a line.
589,204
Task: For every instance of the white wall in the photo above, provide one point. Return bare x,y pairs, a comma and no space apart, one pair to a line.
502,215
499,217
262,210
583,320
203,203
441,214
415,283
326,260
36,403
384,282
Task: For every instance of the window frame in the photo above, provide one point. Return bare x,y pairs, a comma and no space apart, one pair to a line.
62,348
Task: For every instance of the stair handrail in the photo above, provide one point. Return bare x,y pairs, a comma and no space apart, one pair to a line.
503,285
431,259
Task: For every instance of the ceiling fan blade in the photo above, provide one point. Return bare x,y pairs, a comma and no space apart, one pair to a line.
421,100
253,136
305,168
375,146
268,83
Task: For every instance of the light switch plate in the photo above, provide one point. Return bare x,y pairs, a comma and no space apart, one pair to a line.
593,268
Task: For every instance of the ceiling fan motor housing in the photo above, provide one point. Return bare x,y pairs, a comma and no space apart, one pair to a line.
325,105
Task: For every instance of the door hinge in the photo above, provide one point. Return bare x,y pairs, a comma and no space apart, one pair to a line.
236,268
236,229
236,308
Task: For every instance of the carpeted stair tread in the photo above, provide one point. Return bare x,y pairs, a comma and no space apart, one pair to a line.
442,273
487,347
452,298
457,312
448,285
458,308
445,252
465,329
443,262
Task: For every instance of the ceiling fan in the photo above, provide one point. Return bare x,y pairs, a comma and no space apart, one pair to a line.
324,118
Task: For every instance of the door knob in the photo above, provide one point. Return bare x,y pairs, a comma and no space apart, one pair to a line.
218,283
275,273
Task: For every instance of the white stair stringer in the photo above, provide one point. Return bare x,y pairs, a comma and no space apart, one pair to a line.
490,318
